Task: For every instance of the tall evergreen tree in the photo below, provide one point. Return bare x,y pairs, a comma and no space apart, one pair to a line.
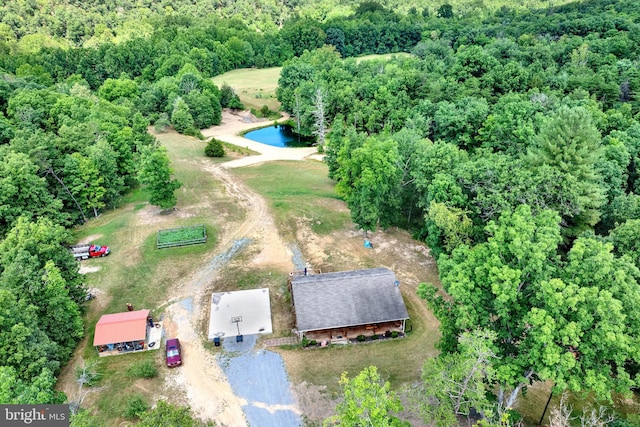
570,143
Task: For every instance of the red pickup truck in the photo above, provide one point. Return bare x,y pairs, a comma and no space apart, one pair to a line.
89,251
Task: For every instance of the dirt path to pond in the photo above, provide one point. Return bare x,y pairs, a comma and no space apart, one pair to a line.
204,385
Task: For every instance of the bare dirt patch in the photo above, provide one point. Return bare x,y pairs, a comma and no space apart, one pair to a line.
233,122
89,239
315,400
84,269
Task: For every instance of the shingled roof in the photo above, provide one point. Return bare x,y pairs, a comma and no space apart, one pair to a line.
348,298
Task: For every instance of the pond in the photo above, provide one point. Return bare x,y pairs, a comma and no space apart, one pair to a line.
278,136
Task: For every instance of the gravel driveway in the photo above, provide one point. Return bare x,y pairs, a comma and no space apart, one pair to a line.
258,378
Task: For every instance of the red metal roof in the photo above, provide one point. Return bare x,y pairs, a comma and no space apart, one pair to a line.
121,327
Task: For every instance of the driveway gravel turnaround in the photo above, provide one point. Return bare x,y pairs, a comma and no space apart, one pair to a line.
259,379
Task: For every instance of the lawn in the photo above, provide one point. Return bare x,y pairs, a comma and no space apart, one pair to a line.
298,190
136,272
255,86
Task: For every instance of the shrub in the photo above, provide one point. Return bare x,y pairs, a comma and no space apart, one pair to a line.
229,99
361,338
394,334
307,342
193,131
162,123
375,336
143,369
214,148
387,334
264,112
135,406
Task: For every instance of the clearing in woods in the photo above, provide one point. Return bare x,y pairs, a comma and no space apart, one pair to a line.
259,218
254,86
257,86
262,220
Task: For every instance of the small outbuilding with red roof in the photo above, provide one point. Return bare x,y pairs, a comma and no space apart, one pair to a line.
122,332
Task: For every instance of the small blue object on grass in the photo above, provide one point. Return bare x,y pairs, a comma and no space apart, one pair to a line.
367,244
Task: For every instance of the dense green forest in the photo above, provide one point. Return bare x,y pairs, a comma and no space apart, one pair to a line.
90,24
508,141
511,148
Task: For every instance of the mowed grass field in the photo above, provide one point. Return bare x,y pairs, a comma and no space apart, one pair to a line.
254,86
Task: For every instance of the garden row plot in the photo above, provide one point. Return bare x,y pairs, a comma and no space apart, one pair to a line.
182,236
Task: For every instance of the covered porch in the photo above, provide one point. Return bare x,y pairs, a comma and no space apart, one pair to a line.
344,334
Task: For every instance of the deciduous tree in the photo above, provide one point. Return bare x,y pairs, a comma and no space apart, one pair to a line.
29,245
459,383
35,391
372,196
155,174
368,401
23,192
570,322
181,117
320,124
82,177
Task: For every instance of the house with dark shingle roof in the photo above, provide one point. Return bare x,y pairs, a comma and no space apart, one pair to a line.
343,305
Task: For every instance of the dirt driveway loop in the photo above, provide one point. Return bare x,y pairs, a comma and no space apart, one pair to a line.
242,385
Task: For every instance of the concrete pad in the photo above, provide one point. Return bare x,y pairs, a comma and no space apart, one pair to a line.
240,313
155,335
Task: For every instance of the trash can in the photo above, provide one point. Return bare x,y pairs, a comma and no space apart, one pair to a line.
239,338
216,341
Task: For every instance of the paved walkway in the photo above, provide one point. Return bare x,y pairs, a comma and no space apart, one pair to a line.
274,342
